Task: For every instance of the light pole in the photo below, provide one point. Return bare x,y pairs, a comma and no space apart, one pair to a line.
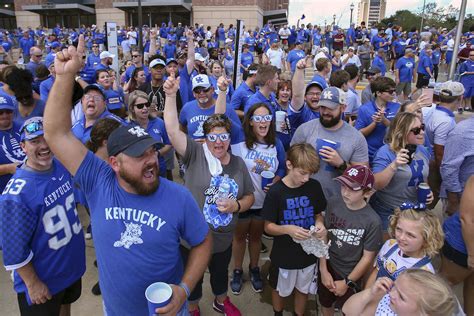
352,9
462,14
334,19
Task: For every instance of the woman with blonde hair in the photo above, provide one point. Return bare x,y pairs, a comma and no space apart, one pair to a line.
139,114
400,166
414,292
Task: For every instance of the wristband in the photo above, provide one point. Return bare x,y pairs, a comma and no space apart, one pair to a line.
185,288
238,204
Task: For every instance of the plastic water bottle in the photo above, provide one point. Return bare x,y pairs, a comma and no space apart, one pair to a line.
224,189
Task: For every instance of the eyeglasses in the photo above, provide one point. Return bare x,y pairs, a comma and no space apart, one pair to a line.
96,98
417,130
312,94
213,137
201,90
391,91
141,105
33,127
261,118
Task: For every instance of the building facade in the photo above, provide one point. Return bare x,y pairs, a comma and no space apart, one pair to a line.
371,11
73,13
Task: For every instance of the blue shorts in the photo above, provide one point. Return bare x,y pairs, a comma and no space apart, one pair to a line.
469,92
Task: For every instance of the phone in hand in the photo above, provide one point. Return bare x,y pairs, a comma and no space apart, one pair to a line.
411,151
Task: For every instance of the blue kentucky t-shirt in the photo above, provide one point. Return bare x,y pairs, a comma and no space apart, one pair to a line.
137,237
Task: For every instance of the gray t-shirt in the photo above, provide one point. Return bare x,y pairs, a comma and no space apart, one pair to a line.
363,52
351,232
351,146
198,180
366,95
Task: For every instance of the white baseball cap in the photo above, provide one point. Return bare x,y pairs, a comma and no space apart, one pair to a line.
106,54
199,57
201,81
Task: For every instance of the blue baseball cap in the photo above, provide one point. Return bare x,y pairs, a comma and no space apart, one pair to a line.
332,97
183,39
32,128
6,102
171,60
55,44
50,62
314,83
95,87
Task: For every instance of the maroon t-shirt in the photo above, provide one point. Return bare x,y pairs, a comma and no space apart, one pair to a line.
338,45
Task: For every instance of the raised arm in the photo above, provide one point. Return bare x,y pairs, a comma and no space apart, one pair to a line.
177,138
57,115
191,51
222,86
298,86
153,44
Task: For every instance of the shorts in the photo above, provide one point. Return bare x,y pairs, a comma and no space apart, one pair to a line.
221,44
253,213
326,297
454,255
403,87
469,92
53,306
284,281
422,81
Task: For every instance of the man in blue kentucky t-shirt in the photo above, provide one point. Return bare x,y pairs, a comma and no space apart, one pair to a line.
43,243
138,219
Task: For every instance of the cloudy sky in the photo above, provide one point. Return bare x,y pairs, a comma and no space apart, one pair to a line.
320,10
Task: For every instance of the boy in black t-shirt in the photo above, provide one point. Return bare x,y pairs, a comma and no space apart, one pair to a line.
291,207
355,231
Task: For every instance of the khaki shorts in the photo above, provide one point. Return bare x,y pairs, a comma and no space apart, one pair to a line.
403,87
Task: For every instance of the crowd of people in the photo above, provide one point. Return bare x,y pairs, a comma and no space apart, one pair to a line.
355,174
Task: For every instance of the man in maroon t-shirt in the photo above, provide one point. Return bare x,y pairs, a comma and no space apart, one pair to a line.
338,40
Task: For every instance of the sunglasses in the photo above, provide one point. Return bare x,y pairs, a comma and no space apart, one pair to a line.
201,90
38,55
213,137
134,56
391,91
417,130
94,46
33,127
141,105
261,118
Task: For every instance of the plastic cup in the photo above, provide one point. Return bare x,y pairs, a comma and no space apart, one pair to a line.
158,295
324,142
280,117
429,94
267,178
423,192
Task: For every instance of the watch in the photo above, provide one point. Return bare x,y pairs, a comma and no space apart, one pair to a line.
342,167
351,284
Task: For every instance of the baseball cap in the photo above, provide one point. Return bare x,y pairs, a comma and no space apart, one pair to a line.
133,141
170,60
55,44
332,97
298,42
325,49
106,54
351,48
183,39
314,83
157,61
199,57
452,88
50,62
437,87
357,178
32,128
201,81
94,87
6,102
372,71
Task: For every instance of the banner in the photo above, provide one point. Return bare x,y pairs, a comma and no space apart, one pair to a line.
112,44
237,77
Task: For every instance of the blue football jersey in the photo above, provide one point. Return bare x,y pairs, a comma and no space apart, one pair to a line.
39,224
10,150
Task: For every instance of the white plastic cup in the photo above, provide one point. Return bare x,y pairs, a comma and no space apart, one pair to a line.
280,118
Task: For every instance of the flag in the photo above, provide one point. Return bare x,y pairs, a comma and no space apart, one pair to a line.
302,17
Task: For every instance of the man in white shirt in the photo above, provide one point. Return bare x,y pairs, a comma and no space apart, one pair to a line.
350,58
132,37
276,55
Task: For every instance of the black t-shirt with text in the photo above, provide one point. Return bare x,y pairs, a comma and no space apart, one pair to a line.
293,206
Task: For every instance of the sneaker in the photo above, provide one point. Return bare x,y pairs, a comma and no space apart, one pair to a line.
256,279
460,110
264,248
96,289
228,309
236,282
195,312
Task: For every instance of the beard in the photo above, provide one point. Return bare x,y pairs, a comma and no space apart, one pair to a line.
137,183
328,123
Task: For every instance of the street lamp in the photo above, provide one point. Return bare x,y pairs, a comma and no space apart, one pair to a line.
352,9
334,19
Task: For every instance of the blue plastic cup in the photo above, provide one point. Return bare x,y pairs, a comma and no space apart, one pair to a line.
158,295
423,192
267,178
324,142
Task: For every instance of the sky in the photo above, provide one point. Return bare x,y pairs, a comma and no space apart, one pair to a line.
321,11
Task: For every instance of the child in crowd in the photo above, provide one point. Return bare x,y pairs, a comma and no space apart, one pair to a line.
417,236
291,207
355,231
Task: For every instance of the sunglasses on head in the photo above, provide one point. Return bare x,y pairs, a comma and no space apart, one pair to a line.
417,130
141,105
200,90
261,118
213,137
33,127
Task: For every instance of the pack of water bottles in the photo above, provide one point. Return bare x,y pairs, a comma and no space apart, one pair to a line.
222,192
